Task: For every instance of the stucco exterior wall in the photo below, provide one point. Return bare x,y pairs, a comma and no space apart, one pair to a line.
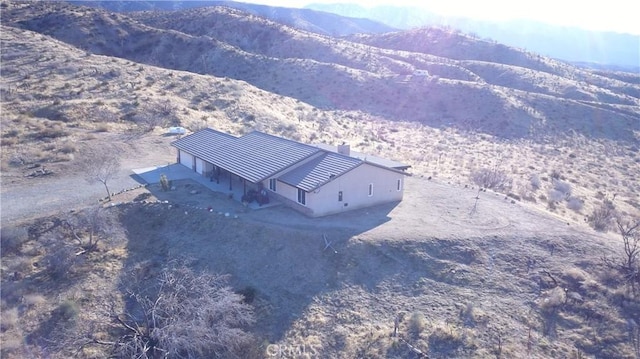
354,186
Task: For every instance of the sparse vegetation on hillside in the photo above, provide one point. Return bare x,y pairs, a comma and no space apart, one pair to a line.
450,272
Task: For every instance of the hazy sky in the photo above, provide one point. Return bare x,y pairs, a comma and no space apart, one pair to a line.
607,15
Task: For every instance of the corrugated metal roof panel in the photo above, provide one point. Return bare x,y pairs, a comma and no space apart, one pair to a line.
204,144
319,171
254,156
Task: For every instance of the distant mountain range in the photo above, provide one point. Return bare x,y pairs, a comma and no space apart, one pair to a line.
320,22
599,50
611,50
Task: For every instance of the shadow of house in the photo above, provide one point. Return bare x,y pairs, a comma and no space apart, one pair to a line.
284,264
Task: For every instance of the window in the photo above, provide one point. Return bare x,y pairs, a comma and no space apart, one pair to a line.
399,185
302,196
272,184
370,189
340,196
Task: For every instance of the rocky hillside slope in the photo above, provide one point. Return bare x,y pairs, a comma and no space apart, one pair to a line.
431,76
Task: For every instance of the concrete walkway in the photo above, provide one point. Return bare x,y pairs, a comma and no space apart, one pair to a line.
177,171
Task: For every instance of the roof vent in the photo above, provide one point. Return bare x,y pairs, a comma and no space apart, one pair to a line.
344,150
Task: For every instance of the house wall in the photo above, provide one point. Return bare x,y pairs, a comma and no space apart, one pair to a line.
355,190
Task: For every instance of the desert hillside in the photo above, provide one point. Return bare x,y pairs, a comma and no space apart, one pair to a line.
519,96
467,267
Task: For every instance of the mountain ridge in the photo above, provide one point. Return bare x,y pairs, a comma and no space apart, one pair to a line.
576,45
440,88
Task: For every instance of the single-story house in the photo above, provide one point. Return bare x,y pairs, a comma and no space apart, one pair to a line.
317,180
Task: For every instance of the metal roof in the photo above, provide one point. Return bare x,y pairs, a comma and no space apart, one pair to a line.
254,156
319,171
257,156
204,144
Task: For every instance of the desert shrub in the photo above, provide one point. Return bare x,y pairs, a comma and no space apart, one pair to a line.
12,238
417,324
59,261
602,216
68,148
445,340
32,300
492,178
535,182
562,187
555,195
68,310
50,132
9,318
103,127
95,225
575,204
12,133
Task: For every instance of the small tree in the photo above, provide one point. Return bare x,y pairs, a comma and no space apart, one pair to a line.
101,165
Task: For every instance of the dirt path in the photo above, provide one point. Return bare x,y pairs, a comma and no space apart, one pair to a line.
23,197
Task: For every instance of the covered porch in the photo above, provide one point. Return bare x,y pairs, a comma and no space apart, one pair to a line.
225,182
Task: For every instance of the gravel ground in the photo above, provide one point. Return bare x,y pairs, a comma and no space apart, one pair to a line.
22,198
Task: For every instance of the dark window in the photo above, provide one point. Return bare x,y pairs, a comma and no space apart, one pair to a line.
399,184
302,196
272,184
370,189
340,196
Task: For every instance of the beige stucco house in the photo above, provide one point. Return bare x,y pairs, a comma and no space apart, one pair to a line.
317,180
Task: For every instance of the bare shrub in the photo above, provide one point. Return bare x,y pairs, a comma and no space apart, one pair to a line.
60,261
156,114
492,178
629,265
94,225
602,216
188,315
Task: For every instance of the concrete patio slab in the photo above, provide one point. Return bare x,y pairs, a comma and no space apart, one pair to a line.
176,171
